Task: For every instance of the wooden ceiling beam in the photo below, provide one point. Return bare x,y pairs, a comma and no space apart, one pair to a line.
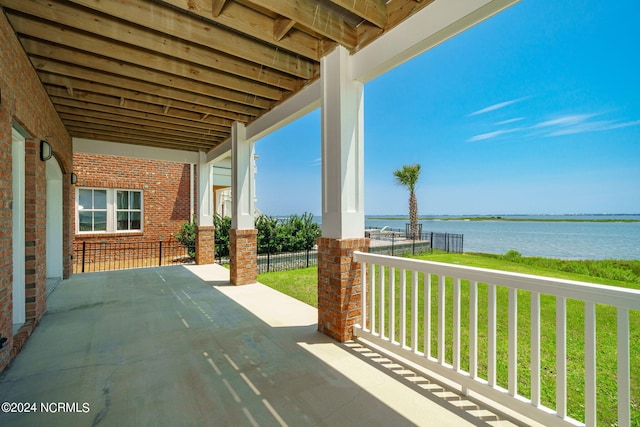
148,133
57,73
397,11
114,29
71,39
64,104
118,122
312,15
238,17
281,27
374,11
133,105
124,139
115,121
78,118
157,17
216,7
41,54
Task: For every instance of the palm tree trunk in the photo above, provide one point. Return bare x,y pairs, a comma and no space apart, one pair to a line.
413,215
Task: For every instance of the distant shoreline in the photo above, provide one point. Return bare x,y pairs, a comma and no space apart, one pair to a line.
500,218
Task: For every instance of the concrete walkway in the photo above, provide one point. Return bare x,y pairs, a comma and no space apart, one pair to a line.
178,346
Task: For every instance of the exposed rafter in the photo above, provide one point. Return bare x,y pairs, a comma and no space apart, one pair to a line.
312,15
374,11
281,27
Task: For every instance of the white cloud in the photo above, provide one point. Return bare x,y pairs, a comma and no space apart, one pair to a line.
581,128
568,124
623,125
580,123
497,106
506,122
568,120
490,135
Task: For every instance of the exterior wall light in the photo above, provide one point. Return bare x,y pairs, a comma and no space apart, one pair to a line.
45,150
74,178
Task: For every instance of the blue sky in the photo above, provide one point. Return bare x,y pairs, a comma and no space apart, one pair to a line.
534,111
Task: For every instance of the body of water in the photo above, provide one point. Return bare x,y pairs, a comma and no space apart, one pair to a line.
566,239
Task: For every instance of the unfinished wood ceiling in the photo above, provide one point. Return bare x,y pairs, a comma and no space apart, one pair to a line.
177,73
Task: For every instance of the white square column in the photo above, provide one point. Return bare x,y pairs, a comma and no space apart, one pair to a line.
242,178
205,190
342,148
243,237
205,232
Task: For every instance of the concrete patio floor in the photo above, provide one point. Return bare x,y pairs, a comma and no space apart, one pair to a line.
179,346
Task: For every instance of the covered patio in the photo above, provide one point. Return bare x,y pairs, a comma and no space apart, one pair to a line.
200,82
181,346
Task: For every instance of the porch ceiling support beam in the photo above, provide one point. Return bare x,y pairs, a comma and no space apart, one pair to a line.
281,115
242,179
300,104
342,148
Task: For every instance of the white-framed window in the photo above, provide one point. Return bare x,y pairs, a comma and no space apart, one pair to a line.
108,210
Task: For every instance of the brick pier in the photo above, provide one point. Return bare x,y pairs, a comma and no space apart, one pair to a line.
243,261
339,286
205,244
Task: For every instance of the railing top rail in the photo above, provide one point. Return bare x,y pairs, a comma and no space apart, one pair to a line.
601,294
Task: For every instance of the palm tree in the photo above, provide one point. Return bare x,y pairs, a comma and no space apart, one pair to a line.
407,176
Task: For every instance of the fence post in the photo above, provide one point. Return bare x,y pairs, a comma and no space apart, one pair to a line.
84,248
160,256
393,243
308,257
268,255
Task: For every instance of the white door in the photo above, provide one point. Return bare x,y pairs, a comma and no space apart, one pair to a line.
17,152
54,219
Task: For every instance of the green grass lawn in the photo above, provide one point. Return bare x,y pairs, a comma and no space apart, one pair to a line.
301,284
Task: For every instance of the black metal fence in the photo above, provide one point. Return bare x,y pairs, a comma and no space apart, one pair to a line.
398,244
280,261
391,243
105,256
287,260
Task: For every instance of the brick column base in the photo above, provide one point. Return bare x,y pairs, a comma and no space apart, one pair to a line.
205,244
243,256
339,286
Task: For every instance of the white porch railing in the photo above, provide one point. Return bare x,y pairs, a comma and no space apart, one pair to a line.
428,320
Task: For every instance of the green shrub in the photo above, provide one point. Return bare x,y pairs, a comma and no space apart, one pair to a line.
295,233
187,236
222,226
512,255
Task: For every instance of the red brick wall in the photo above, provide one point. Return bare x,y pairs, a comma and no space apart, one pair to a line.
165,186
24,101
